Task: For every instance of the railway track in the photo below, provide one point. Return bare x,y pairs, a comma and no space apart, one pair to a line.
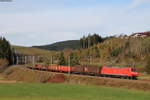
137,80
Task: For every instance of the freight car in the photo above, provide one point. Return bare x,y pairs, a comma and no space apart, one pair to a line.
104,71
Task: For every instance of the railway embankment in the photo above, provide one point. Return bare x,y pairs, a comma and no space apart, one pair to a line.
23,74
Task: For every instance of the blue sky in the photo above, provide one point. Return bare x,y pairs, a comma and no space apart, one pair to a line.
38,22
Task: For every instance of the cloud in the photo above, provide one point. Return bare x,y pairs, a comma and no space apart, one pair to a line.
137,3
52,25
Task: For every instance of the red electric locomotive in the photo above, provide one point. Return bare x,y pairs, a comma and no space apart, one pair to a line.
128,72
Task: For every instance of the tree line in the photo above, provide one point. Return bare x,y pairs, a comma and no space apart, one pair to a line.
90,40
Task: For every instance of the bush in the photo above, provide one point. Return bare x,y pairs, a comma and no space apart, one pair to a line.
130,54
115,52
3,64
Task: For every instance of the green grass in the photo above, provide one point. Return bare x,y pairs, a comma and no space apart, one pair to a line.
1,78
39,91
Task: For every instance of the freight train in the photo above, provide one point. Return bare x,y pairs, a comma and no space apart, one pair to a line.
104,71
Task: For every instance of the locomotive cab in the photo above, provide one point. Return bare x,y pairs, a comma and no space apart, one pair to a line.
134,73
133,70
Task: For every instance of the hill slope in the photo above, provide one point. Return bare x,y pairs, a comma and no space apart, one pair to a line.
31,51
117,51
70,44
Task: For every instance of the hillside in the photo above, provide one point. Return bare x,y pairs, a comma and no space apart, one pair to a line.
31,51
70,44
118,51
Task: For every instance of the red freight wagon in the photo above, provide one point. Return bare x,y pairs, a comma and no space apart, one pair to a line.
94,70
65,68
119,72
53,68
78,69
38,66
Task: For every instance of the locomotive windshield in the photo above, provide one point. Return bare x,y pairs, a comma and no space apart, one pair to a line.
133,70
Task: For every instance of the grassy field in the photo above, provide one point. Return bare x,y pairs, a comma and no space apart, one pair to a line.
1,78
37,91
31,51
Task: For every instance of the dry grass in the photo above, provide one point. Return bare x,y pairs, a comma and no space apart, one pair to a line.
31,51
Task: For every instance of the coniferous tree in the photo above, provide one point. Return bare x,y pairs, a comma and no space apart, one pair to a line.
62,59
5,50
74,59
90,40
81,43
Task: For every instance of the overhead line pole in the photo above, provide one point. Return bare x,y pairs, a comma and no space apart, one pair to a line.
69,65
69,68
33,61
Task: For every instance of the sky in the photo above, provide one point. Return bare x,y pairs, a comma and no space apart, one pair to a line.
40,22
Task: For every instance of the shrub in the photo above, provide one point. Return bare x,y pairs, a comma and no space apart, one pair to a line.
130,54
115,52
3,64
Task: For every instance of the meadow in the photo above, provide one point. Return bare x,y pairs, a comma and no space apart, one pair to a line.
38,91
31,51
